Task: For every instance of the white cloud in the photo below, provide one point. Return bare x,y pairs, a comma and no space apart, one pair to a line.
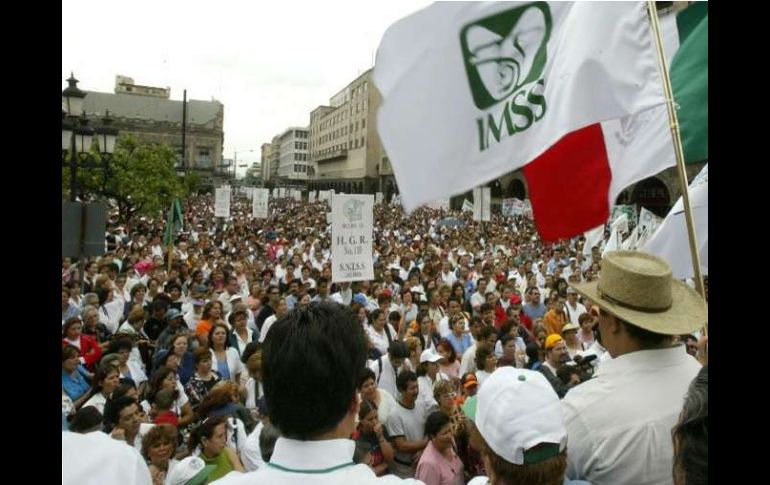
270,63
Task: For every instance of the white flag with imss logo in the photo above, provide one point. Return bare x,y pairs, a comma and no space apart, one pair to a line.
474,90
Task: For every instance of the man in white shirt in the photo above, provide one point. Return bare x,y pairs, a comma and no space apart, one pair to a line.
233,288
84,457
573,309
479,298
619,423
447,275
386,368
315,445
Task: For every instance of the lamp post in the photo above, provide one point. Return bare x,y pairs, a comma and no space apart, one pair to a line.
235,161
83,223
77,136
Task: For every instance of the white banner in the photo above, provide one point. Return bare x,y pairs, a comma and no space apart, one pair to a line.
222,202
352,227
312,195
297,194
378,198
259,203
482,200
438,204
467,206
671,242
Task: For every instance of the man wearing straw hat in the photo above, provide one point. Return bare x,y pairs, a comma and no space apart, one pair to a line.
619,423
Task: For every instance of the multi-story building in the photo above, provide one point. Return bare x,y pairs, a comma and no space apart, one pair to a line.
345,149
294,157
148,113
267,152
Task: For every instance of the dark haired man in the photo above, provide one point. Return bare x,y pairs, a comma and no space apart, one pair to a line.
311,363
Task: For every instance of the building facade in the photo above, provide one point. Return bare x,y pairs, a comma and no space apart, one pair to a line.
148,114
345,149
294,157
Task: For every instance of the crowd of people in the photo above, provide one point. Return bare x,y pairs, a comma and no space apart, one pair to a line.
477,354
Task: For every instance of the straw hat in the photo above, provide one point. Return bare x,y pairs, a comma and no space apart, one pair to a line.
638,288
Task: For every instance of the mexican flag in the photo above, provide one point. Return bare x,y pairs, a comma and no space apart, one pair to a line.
472,91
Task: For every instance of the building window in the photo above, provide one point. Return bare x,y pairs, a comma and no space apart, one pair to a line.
363,124
362,141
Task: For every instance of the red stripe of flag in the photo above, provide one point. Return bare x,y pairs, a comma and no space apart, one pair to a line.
569,185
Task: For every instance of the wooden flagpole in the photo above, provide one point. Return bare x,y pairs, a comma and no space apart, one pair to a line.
676,136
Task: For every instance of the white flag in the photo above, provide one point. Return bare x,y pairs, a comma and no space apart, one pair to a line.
378,198
467,206
259,203
670,241
501,82
352,229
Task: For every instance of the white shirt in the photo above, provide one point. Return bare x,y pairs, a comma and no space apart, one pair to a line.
251,454
619,423
324,462
443,327
574,313
468,362
380,340
98,401
137,374
385,379
83,457
425,397
233,359
269,321
449,278
251,396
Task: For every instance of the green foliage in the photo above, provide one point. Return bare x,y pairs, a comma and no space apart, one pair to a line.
141,178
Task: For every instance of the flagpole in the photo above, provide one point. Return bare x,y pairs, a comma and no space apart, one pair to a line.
675,135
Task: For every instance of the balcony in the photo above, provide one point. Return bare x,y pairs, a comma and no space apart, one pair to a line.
331,156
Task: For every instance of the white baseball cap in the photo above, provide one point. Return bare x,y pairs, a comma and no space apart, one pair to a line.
518,410
428,355
190,471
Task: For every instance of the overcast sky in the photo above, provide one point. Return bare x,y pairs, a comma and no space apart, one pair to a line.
270,63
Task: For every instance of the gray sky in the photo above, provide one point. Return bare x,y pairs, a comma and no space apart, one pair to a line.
270,63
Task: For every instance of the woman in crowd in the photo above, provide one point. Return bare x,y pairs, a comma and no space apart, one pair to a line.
178,356
128,368
449,363
371,431
223,400
204,378
74,377
224,358
439,463
159,448
208,441
254,390
414,347
212,313
166,378
137,293
486,362
93,327
72,334
241,334
445,394
382,400
105,381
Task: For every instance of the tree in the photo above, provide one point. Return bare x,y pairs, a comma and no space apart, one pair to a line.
141,179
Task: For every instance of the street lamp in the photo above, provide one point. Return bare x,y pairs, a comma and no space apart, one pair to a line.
235,161
77,136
